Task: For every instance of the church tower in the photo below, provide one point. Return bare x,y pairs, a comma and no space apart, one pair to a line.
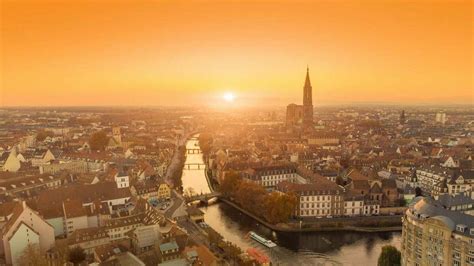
307,101
117,135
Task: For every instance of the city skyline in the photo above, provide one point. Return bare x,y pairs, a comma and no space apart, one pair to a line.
158,54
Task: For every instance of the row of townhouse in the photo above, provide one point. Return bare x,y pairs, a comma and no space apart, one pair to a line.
28,186
270,176
73,167
436,181
323,198
82,206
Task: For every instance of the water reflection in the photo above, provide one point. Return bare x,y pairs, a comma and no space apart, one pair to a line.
194,178
324,248
321,248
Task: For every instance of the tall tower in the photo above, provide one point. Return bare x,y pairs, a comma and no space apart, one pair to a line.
402,117
307,101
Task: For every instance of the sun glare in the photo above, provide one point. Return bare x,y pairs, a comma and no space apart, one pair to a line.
229,97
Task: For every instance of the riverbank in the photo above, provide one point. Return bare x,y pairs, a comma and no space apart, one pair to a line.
366,224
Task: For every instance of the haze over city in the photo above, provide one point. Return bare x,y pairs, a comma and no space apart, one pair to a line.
122,53
250,133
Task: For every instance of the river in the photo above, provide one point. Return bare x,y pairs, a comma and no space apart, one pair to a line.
320,248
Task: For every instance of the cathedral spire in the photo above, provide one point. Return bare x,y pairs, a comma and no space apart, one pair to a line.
307,83
307,100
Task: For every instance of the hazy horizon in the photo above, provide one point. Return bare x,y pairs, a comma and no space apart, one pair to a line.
194,52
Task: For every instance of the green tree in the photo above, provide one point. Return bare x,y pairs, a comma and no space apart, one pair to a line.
98,140
390,256
77,255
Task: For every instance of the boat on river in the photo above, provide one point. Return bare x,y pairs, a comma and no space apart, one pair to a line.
262,240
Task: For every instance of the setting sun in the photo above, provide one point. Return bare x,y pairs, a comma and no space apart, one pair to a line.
229,97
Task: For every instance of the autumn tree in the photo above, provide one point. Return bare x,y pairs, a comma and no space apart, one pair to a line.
32,256
43,134
61,252
98,140
230,184
390,256
279,207
250,196
205,141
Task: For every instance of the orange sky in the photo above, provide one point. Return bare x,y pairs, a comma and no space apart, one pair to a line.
190,52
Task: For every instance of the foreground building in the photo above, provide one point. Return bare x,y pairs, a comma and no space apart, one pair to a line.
433,235
24,227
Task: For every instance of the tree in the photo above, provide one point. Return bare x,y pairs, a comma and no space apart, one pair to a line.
43,134
31,256
98,140
61,252
390,256
278,207
189,192
230,184
77,255
205,141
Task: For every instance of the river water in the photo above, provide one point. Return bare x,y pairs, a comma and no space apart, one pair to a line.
320,248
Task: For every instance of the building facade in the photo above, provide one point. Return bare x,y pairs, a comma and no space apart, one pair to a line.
432,235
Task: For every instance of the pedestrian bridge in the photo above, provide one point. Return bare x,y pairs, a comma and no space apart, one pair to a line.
194,166
193,151
203,197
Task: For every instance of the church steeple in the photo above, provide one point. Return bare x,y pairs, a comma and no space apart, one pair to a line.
307,100
307,82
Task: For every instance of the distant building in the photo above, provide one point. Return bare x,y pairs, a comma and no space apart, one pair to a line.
402,118
440,117
302,114
10,161
432,235
307,101
122,179
270,176
294,114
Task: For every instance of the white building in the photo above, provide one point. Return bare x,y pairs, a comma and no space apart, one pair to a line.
122,180
270,176
24,227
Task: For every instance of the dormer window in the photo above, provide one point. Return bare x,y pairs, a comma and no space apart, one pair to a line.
461,228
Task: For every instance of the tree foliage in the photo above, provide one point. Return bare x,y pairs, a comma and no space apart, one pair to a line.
230,184
390,256
205,141
274,207
43,134
98,140
77,255
32,256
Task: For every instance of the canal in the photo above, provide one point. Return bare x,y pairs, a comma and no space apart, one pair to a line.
320,248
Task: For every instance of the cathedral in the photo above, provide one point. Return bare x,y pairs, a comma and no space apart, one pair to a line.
302,114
